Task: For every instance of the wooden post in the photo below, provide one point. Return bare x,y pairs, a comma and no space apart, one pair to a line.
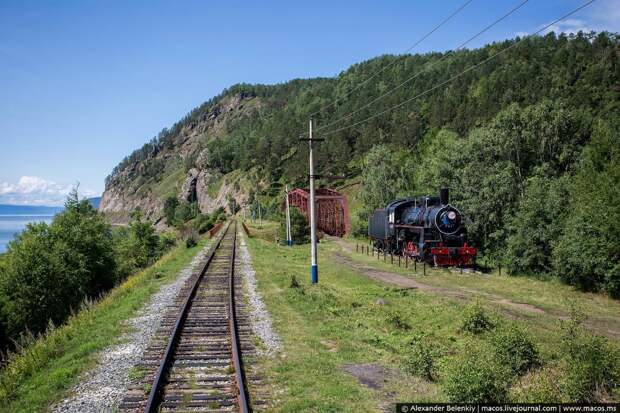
399,260
406,261
424,271
357,247
499,267
391,258
384,255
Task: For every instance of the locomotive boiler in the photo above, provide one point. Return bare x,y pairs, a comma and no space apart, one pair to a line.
425,228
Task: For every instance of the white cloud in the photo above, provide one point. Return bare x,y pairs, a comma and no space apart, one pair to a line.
606,14
569,26
34,190
603,15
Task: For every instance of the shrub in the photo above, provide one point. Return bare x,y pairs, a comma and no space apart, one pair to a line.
538,386
190,242
515,349
203,223
421,360
167,240
184,212
359,226
219,215
591,365
396,320
170,205
294,282
300,230
136,246
476,377
475,319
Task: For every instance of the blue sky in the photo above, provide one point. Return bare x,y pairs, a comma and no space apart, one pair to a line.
83,83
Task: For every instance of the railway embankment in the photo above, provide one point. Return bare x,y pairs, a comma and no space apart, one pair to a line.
83,365
102,388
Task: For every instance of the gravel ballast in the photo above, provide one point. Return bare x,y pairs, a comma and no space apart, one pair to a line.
102,389
261,320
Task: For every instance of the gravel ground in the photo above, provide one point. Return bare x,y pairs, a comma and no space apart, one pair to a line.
102,389
261,321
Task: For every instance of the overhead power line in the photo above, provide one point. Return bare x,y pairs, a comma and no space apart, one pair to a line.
425,69
384,68
469,69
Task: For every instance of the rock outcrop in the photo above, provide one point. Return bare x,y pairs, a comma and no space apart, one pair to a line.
176,164
188,190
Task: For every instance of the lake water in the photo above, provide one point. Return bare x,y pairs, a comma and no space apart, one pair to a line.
12,224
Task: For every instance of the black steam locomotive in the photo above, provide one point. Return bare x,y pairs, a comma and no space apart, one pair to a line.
426,228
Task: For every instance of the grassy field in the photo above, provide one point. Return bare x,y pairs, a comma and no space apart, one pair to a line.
352,343
49,367
540,301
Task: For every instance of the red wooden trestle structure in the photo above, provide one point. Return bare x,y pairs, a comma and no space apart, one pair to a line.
332,211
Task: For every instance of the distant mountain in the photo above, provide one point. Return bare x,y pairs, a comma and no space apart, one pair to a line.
29,210
95,202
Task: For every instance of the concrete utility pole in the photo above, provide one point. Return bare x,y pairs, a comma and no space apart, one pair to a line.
314,270
289,236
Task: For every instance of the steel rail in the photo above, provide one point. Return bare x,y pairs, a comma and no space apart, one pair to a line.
234,337
154,399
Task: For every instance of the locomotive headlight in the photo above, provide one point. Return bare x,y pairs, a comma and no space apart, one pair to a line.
448,220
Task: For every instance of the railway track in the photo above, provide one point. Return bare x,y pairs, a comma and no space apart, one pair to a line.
194,362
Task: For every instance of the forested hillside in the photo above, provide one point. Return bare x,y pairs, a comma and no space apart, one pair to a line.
528,142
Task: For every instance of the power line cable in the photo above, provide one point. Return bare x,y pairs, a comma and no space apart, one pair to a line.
469,69
425,69
437,27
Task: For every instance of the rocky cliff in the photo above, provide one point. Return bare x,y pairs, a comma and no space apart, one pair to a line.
177,163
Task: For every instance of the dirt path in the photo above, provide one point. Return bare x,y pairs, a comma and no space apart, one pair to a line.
506,305
406,282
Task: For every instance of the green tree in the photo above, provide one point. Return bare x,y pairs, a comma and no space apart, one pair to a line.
300,229
86,232
432,167
588,253
136,246
537,224
383,177
493,166
184,212
40,281
170,205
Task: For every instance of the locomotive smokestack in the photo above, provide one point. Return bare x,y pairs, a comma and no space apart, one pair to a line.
444,196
